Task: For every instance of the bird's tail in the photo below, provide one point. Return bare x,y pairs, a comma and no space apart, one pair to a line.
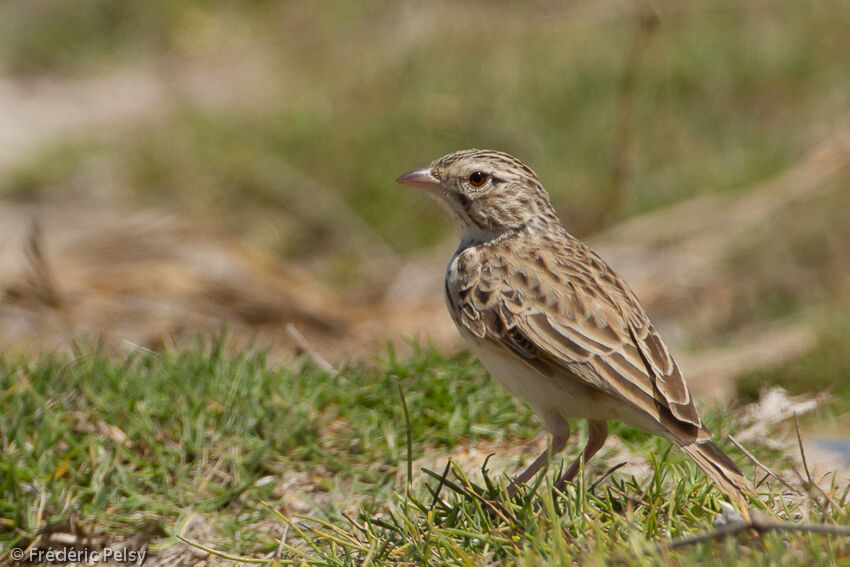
721,470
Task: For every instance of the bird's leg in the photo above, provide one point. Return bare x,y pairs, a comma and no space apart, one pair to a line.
745,512
559,441
597,432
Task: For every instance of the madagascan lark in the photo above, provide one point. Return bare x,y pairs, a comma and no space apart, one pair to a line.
553,323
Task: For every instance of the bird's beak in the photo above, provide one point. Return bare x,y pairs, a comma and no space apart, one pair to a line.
421,179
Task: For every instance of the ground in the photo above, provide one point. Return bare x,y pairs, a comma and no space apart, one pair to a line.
212,295
200,454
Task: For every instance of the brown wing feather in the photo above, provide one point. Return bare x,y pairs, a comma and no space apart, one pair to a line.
572,311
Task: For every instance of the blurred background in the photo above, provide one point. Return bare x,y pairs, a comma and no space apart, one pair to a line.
175,167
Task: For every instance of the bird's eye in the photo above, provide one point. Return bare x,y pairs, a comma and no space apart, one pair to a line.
478,178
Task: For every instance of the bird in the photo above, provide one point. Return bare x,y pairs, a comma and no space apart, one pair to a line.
554,324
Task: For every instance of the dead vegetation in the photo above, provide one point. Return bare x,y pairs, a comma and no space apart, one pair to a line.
150,279
98,268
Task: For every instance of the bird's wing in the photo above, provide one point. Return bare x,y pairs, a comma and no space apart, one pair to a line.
572,311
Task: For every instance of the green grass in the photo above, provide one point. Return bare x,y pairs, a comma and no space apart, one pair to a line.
147,442
790,271
69,36
825,367
182,415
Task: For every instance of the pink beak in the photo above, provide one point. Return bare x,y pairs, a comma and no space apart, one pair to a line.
421,179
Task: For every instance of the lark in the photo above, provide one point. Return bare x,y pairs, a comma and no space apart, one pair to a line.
553,323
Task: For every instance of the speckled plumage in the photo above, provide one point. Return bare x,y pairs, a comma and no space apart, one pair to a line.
552,321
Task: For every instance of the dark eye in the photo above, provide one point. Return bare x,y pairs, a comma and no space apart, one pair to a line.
478,178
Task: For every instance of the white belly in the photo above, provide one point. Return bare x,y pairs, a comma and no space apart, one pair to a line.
552,399
559,398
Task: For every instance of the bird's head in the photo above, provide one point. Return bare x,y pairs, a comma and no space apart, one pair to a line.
488,193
